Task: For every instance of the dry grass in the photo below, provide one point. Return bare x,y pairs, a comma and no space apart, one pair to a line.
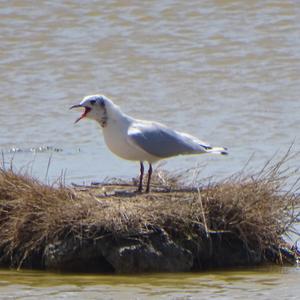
256,208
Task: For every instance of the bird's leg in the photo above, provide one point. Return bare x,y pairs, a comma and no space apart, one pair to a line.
149,178
141,177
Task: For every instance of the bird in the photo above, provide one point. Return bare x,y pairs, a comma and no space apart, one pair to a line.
140,140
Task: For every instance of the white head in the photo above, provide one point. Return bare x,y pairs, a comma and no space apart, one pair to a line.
96,108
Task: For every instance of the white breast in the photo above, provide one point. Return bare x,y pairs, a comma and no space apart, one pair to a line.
115,136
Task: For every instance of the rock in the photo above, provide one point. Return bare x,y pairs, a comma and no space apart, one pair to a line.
155,252
228,250
149,253
75,255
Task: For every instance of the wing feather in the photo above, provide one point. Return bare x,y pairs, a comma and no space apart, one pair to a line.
161,141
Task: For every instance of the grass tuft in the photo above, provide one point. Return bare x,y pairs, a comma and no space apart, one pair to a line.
256,208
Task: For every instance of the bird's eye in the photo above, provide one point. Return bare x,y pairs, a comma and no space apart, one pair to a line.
93,102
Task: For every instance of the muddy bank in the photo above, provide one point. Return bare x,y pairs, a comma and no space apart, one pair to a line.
111,228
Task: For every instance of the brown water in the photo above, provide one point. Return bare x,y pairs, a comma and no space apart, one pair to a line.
263,283
226,71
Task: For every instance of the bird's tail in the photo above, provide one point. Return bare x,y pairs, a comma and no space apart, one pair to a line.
217,150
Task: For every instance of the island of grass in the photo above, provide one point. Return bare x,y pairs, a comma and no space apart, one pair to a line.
242,221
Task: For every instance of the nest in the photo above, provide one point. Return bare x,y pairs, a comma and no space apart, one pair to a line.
255,208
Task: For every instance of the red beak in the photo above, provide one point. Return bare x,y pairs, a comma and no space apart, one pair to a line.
86,111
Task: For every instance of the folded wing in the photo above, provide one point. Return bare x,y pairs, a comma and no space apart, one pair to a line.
163,142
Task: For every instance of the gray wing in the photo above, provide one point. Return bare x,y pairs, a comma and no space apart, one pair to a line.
161,141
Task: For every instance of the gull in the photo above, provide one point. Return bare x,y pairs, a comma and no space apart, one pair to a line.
140,140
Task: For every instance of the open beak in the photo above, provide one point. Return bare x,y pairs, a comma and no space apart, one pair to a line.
86,111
